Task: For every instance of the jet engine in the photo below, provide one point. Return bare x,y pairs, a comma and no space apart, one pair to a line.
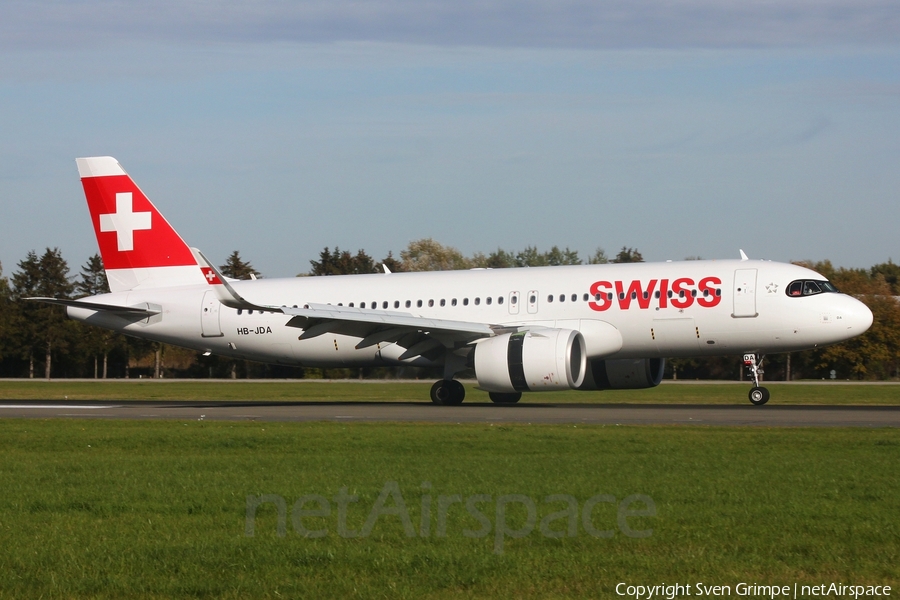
532,360
623,374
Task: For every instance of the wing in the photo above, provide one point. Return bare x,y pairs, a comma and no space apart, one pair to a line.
418,335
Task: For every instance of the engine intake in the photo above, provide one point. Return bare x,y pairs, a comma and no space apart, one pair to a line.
533,360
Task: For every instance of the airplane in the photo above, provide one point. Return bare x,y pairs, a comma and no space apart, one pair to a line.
585,327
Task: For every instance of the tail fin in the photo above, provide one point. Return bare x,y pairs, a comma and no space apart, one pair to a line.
138,246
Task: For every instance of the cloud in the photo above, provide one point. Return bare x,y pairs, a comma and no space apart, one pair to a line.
503,23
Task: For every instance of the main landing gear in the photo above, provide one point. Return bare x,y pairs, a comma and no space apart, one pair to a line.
448,392
758,395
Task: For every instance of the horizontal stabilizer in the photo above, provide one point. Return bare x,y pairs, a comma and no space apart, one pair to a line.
110,308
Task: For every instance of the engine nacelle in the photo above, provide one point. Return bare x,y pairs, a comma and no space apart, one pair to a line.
533,360
623,374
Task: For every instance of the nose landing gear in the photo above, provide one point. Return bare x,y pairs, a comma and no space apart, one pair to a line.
758,395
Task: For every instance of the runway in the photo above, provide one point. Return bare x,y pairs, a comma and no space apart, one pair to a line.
593,414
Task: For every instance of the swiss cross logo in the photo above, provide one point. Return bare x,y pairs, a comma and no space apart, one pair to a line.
210,276
125,222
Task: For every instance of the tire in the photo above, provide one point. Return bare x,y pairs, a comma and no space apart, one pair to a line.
505,397
759,396
457,392
448,392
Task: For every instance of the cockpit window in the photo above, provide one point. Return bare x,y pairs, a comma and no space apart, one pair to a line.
809,288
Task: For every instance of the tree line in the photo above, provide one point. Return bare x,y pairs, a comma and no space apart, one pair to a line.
36,340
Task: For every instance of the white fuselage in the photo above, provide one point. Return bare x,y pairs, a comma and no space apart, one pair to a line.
690,308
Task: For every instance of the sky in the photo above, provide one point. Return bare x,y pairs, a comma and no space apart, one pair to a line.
276,128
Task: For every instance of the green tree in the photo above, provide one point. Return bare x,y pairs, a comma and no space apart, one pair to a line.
530,257
557,257
428,255
341,262
599,257
6,316
891,274
500,259
43,326
93,278
628,255
236,268
96,341
393,265
874,353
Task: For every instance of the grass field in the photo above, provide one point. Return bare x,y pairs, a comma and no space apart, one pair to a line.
387,391
148,509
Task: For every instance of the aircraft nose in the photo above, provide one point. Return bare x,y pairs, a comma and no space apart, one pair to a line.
857,317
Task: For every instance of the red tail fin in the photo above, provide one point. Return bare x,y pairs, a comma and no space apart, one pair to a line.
138,246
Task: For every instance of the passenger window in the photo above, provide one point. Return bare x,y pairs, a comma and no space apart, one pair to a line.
453,302
396,304
562,297
351,306
500,300
488,300
362,304
384,304
550,298
419,304
443,302
514,299
241,310
430,303
586,298
465,301
408,304
574,297
477,301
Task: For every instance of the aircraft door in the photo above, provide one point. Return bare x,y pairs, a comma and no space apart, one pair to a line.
209,315
744,293
513,303
532,302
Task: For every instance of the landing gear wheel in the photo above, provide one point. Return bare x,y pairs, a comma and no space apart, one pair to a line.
504,397
759,396
448,392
